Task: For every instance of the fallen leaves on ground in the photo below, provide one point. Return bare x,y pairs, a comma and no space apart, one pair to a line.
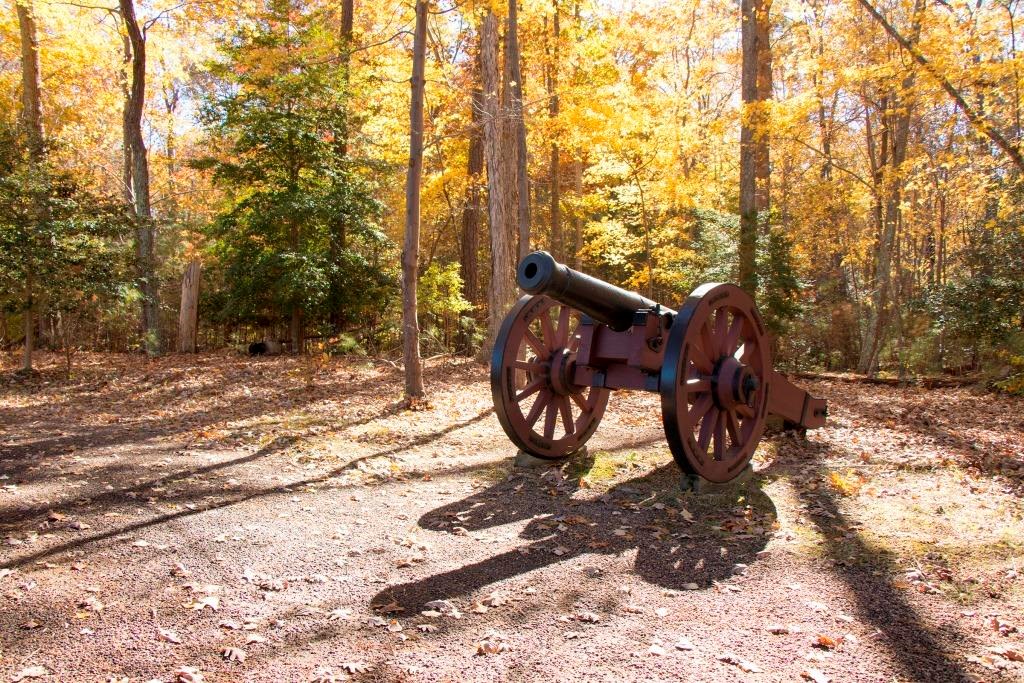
740,663
233,654
30,673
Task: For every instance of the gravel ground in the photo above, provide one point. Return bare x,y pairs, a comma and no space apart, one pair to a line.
225,519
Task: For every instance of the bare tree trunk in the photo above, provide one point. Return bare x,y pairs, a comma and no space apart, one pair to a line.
888,183
295,331
472,209
32,122
577,219
502,203
512,96
557,247
188,317
762,141
410,253
753,140
31,80
339,237
145,231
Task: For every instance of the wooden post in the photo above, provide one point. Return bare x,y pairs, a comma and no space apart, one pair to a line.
188,314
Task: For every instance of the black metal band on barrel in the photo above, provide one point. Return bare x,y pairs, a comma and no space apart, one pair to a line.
540,273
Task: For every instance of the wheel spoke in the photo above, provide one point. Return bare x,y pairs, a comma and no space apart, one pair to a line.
531,388
720,331
707,428
542,400
700,408
550,413
745,410
583,404
550,339
735,433
700,359
698,386
529,366
748,351
537,344
719,451
732,338
563,326
563,405
707,341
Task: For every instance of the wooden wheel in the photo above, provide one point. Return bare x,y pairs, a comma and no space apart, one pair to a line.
714,383
537,404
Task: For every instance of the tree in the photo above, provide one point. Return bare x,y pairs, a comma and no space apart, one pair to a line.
410,253
278,103
554,169
67,238
472,208
137,170
502,200
512,94
32,124
755,90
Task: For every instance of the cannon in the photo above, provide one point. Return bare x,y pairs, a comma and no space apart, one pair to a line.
573,338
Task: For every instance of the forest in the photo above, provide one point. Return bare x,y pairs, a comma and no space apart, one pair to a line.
273,406
206,175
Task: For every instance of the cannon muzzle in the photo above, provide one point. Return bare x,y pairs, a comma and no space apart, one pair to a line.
540,273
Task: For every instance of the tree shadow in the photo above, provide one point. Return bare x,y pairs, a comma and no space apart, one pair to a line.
128,495
672,551
916,648
922,421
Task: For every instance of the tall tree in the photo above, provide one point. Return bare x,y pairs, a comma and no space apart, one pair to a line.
554,173
411,250
887,153
472,208
512,89
32,123
282,96
339,237
502,200
137,167
755,90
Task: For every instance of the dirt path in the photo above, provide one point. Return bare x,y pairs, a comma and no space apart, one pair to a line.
273,520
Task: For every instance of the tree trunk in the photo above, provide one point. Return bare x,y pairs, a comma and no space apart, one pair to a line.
472,208
886,164
577,218
145,247
295,330
31,81
188,317
512,97
339,229
557,247
755,89
410,253
32,122
502,203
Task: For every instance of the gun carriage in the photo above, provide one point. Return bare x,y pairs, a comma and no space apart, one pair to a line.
573,339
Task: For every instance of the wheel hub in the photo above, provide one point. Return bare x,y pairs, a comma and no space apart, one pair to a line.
733,383
561,363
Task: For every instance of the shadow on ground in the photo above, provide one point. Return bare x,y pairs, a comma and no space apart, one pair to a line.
921,652
672,551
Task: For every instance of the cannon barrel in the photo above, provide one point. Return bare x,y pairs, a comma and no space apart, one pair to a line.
540,273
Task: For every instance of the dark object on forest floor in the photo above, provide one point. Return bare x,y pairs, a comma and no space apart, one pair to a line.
266,348
573,339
